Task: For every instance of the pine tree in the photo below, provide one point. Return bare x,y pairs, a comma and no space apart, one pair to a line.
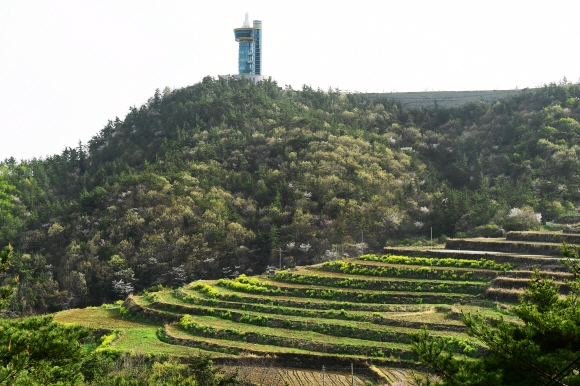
7,290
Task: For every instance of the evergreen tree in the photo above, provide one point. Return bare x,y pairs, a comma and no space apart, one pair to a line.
39,351
7,290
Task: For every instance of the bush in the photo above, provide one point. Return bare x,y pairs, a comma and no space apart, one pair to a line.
37,350
489,230
553,210
519,219
414,242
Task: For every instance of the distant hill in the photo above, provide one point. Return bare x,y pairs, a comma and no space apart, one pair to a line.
224,177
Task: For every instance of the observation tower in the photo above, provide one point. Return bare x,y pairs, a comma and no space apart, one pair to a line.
249,39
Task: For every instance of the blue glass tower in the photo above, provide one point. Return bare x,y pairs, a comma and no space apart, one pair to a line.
250,50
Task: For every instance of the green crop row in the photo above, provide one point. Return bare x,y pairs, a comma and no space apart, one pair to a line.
256,337
442,262
207,290
384,285
334,329
424,272
258,287
375,297
163,336
342,314
338,330
306,304
340,295
251,285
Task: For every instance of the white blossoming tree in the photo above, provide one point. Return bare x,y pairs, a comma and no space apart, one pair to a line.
519,219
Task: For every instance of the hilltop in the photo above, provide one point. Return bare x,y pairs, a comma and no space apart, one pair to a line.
226,178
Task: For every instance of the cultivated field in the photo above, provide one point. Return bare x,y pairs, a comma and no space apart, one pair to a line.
286,325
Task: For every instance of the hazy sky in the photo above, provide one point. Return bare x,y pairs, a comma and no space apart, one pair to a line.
67,66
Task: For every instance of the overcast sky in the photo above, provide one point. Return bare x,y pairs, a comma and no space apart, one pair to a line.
68,66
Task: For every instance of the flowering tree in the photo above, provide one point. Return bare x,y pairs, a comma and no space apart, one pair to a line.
121,288
519,219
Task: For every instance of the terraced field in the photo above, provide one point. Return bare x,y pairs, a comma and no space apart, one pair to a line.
356,311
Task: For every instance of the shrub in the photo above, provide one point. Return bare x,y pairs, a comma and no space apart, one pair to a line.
553,210
251,285
518,219
206,289
489,230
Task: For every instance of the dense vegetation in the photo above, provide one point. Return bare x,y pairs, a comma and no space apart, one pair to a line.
542,347
39,351
221,178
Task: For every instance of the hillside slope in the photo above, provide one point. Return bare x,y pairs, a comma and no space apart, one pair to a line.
219,179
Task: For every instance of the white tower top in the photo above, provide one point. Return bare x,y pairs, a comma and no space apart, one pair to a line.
246,22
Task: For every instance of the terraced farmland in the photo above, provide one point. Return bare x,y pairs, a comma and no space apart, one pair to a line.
355,311
358,311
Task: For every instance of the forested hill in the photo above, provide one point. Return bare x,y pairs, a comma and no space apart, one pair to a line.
224,177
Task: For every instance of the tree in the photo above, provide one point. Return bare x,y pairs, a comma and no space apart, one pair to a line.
205,373
39,351
7,290
519,219
535,351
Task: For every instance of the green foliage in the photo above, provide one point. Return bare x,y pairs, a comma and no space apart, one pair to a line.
442,262
107,368
519,219
396,271
205,373
214,176
252,285
385,285
206,289
38,351
114,369
488,230
7,290
546,340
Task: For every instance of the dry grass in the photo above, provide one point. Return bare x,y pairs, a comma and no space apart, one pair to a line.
98,318
502,245
504,294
